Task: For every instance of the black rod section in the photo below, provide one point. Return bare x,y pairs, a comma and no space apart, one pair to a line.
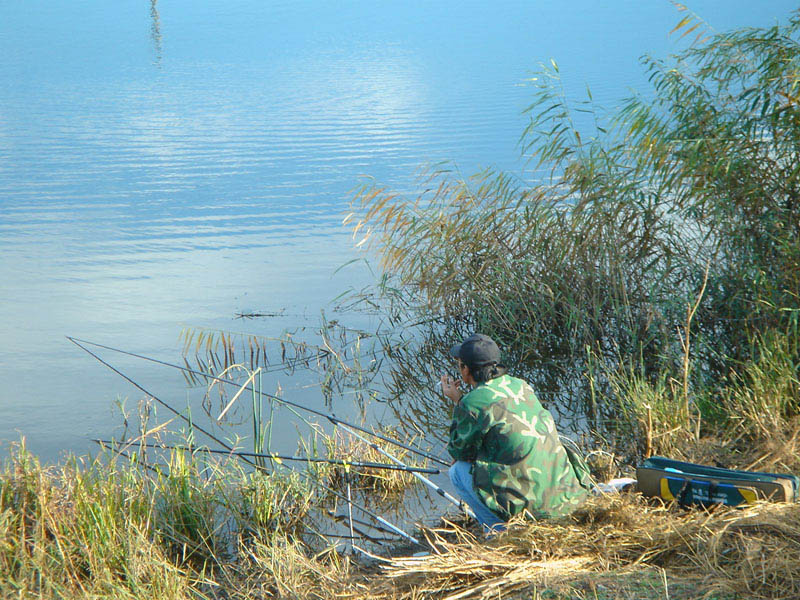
333,461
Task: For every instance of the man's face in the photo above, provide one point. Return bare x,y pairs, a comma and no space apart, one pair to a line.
464,370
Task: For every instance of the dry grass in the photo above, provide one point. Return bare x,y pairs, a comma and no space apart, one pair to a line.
385,487
754,552
284,569
101,531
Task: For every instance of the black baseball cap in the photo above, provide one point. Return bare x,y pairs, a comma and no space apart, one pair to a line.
477,350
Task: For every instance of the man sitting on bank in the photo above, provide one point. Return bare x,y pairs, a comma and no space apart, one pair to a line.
509,459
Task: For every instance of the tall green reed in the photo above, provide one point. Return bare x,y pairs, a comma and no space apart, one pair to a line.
691,192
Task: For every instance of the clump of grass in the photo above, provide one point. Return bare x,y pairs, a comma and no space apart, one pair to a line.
275,505
186,514
754,552
282,568
385,487
81,531
753,420
761,406
653,414
111,527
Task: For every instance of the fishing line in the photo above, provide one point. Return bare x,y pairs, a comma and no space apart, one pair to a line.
366,511
459,503
292,363
332,418
133,458
287,365
157,399
319,459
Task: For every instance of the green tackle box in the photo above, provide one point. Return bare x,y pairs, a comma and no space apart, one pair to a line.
690,483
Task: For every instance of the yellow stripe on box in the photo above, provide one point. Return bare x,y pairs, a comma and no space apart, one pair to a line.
666,493
748,494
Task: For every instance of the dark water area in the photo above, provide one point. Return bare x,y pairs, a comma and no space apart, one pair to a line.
166,165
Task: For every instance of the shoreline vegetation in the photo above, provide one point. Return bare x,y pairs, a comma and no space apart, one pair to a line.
114,530
647,285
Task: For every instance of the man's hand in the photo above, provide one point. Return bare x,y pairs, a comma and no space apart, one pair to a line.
450,389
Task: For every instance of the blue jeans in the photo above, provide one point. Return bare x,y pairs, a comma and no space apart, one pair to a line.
461,479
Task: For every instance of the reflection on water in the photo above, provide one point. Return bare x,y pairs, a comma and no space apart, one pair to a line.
141,196
155,29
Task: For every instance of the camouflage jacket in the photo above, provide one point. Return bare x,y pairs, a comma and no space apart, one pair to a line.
518,461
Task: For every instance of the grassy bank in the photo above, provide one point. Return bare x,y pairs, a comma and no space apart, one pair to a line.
98,530
187,528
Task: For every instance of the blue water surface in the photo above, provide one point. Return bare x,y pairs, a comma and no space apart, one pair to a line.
171,163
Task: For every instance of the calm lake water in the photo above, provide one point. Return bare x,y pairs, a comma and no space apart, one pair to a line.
170,163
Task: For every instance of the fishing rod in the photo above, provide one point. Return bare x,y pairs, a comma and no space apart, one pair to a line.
363,536
366,511
133,458
444,494
350,510
278,457
333,419
161,402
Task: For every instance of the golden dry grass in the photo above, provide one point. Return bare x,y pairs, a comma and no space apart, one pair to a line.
91,531
754,552
384,487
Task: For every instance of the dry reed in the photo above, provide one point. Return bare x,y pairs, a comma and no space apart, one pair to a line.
97,531
754,552
385,487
